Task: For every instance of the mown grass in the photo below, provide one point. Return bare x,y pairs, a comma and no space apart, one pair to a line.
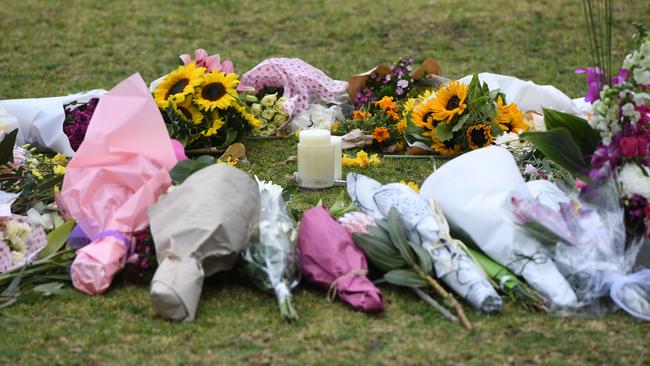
52,48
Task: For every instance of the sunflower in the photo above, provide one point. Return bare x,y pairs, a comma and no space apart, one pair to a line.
449,102
250,118
216,91
178,84
188,112
509,117
423,115
447,148
479,135
380,134
217,123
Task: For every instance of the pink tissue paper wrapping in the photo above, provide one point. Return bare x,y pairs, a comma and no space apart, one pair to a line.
118,172
329,255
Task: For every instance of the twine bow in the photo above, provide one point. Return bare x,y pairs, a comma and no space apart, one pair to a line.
331,293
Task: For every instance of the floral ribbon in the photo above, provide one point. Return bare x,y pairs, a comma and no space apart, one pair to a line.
331,293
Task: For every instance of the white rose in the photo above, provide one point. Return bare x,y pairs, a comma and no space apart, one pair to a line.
633,181
279,119
256,109
268,114
269,100
279,106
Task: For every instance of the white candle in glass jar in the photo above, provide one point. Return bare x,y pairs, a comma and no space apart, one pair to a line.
315,159
338,155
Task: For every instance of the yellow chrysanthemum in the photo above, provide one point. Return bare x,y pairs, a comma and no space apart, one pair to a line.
216,91
400,146
510,118
178,84
380,134
423,115
217,123
60,159
448,148
335,126
449,102
408,106
479,135
362,160
401,125
188,112
411,185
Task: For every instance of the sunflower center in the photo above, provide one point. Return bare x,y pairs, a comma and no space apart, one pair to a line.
213,92
478,137
185,112
428,118
453,103
178,87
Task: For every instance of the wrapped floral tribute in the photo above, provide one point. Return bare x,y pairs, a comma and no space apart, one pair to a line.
330,259
271,257
458,118
269,110
20,241
426,229
587,237
200,103
615,142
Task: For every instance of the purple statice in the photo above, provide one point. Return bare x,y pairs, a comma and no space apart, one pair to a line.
76,122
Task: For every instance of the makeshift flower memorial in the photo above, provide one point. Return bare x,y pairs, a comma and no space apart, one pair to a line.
460,117
202,108
271,258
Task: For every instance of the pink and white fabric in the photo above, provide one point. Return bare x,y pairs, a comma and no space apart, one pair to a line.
120,169
303,83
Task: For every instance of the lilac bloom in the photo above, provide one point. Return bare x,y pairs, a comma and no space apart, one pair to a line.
595,82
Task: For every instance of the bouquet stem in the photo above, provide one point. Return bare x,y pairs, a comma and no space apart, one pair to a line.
458,308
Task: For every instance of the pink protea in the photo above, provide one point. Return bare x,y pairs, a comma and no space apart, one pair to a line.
356,222
203,59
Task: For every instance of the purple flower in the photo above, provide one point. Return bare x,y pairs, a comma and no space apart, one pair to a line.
607,154
595,82
623,75
77,121
399,91
402,84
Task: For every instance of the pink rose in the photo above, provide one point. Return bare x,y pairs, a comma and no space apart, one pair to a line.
356,222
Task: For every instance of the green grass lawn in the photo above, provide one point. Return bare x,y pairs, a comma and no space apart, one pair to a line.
52,48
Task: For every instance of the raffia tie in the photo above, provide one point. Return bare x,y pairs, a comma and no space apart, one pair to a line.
331,293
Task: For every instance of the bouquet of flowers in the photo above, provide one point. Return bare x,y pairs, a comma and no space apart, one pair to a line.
269,110
461,117
615,142
271,258
31,177
587,237
201,106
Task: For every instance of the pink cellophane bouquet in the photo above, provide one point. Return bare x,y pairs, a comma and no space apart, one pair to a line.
331,259
119,170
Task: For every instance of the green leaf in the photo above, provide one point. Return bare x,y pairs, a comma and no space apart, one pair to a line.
7,147
444,131
12,289
461,122
558,145
424,259
396,233
404,277
50,288
376,251
586,137
56,239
